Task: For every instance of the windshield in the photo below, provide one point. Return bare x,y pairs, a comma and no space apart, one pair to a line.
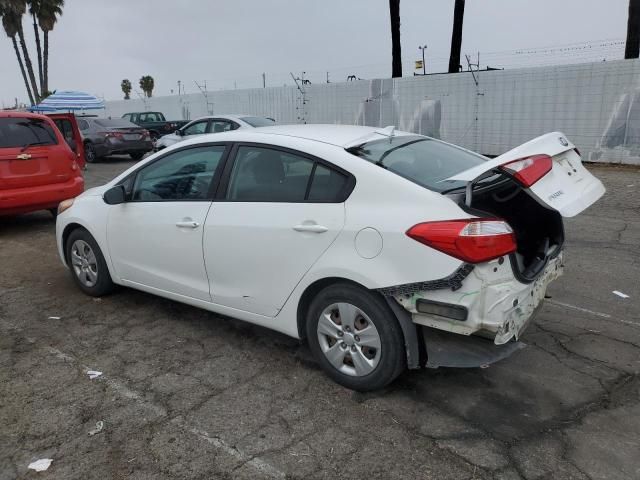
422,160
20,132
258,121
115,123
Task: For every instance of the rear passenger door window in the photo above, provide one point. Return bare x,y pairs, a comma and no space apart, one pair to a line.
219,126
267,175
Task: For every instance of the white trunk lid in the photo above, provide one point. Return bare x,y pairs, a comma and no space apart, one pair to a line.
568,188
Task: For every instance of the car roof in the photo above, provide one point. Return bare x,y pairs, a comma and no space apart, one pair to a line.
338,135
16,114
230,116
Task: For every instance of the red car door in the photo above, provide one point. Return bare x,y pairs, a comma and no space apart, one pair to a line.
66,123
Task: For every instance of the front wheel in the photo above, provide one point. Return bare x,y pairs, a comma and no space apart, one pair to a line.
355,337
87,264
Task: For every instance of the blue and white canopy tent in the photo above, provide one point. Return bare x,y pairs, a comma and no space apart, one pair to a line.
69,100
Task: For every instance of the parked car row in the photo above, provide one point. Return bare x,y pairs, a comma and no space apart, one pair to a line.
384,249
213,124
42,156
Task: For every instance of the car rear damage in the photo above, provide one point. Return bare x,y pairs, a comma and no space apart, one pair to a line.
510,247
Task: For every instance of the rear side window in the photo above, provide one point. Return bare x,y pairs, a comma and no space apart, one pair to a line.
327,184
269,175
258,121
20,132
422,160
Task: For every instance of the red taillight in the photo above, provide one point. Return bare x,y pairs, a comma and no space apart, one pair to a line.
530,169
145,134
473,241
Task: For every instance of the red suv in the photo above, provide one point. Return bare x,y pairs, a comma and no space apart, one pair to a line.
38,166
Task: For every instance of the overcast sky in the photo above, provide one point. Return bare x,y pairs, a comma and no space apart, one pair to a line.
230,43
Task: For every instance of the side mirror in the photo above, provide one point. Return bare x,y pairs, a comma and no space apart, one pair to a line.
72,144
180,133
115,195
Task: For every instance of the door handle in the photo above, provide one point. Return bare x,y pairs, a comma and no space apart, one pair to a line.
313,228
187,224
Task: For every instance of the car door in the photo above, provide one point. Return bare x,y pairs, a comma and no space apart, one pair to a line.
155,237
275,214
69,127
567,186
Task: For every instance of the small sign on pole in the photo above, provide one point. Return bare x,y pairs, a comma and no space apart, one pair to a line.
419,64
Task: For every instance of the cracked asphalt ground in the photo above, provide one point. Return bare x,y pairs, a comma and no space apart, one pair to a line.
187,394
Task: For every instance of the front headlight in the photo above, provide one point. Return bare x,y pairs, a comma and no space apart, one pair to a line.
64,205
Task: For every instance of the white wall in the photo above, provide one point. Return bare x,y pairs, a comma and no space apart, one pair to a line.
505,108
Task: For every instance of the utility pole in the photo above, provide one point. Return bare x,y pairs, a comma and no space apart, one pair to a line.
632,46
205,94
328,78
424,65
456,37
179,86
302,113
264,80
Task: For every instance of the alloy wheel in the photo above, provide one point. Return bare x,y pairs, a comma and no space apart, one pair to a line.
84,262
349,339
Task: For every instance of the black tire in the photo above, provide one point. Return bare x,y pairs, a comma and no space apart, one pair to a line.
103,284
54,212
137,155
392,361
90,153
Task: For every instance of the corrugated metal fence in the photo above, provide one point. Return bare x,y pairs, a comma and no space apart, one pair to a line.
594,104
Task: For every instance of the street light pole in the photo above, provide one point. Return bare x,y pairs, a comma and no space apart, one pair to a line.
424,65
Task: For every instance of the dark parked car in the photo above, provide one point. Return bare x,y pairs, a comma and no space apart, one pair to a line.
105,136
155,122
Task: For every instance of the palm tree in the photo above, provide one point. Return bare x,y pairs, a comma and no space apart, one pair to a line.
632,47
48,13
456,37
396,54
10,21
147,84
19,7
126,88
34,6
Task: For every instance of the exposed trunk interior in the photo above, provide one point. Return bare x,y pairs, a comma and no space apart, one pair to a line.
539,230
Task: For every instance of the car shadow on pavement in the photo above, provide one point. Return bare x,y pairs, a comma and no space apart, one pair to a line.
36,221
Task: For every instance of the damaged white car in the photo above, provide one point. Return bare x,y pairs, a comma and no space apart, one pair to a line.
384,249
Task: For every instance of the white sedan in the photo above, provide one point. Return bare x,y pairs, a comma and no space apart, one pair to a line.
384,249
212,124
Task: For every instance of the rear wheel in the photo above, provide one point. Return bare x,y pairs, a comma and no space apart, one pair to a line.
87,264
89,153
355,337
136,155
